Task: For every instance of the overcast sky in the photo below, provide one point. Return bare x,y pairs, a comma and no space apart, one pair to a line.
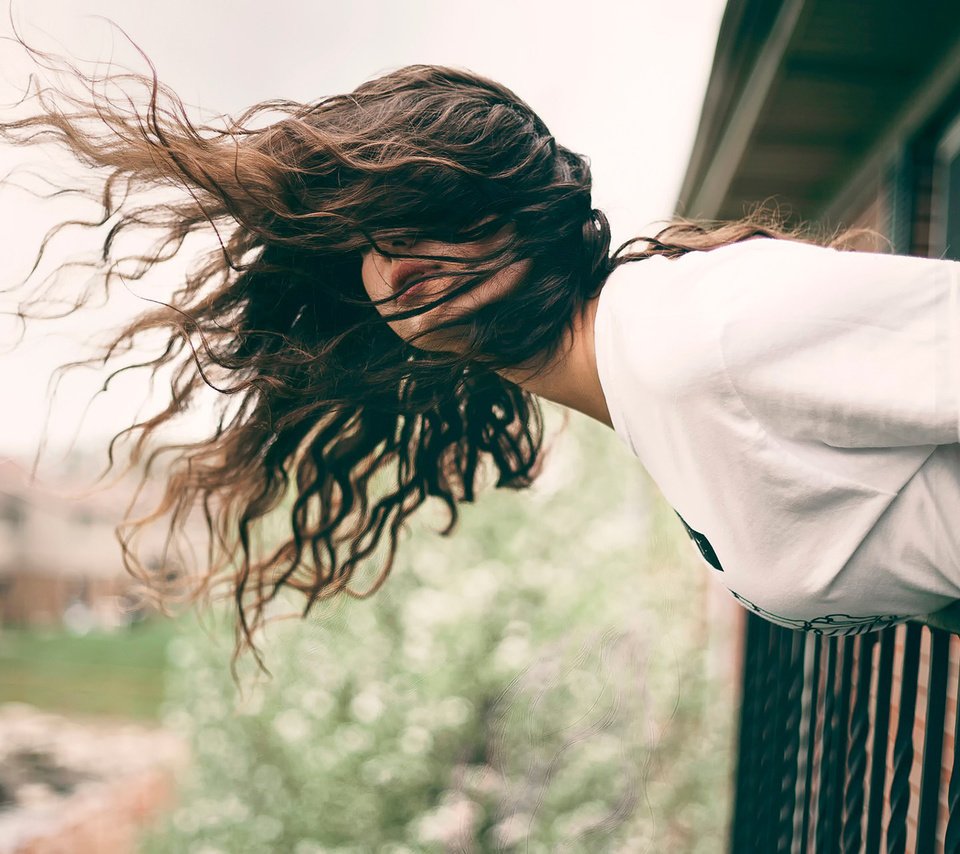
621,81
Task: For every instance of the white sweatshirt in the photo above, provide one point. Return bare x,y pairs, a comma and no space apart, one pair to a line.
799,408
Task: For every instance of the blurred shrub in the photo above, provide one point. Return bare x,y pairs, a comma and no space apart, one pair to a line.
534,682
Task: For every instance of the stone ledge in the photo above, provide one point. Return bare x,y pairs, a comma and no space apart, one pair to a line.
109,817
82,787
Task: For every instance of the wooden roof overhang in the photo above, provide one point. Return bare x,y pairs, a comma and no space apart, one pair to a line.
808,101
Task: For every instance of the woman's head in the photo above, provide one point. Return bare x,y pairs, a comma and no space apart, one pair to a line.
341,407
446,180
453,178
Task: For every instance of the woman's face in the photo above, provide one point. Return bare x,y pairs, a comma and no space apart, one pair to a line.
383,275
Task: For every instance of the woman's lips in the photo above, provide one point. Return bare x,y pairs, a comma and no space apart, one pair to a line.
412,293
406,270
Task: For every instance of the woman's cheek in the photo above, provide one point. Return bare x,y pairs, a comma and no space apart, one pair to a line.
374,279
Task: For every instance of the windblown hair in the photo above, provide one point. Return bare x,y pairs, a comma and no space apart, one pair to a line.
322,403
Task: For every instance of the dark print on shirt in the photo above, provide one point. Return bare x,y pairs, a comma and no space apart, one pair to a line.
829,624
702,543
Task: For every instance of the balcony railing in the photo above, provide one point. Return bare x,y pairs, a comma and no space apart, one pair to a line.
849,743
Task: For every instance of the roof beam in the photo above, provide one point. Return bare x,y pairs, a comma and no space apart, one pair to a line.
709,193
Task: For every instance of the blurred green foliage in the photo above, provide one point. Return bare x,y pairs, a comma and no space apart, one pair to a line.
535,682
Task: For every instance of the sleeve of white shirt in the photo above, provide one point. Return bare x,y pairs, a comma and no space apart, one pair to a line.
854,349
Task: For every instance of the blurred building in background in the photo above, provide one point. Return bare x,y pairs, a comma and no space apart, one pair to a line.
842,113
60,562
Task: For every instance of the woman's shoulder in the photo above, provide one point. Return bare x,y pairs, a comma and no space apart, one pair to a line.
757,253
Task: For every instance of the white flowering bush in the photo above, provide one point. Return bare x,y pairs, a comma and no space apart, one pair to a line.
535,682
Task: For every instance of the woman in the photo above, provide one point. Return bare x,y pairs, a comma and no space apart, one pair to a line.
405,270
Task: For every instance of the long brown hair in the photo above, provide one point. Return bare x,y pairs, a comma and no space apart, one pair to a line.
322,404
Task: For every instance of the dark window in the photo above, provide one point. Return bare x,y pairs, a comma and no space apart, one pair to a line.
12,509
82,516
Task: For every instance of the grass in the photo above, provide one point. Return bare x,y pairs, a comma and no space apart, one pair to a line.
117,674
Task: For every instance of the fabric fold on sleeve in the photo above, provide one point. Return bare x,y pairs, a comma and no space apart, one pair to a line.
853,349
